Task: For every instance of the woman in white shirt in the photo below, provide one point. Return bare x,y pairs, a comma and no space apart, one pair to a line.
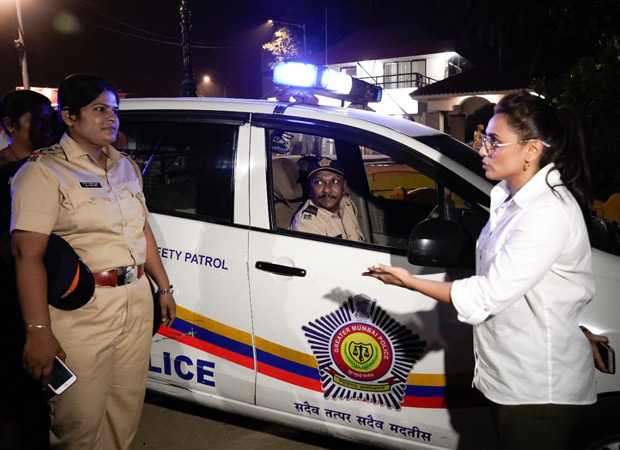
533,276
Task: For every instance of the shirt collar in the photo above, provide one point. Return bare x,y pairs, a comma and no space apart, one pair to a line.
329,213
530,191
73,150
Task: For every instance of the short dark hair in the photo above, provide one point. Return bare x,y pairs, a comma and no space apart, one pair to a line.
78,90
17,103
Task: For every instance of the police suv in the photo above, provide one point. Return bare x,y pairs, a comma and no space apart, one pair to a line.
278,324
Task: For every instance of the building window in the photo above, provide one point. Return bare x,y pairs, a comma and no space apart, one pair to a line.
404,74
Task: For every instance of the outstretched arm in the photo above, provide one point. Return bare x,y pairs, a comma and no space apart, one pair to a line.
397,276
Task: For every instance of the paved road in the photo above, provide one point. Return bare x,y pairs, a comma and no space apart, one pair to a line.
169,424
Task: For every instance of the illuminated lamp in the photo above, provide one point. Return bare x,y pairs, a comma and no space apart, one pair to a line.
322,80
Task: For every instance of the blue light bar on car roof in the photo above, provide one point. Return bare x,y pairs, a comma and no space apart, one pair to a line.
325,81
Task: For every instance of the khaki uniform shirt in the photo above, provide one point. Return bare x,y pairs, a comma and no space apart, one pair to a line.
100,212
343,224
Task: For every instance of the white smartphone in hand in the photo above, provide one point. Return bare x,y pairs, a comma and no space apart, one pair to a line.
61,377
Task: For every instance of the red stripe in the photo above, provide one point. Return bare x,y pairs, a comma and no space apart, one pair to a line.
307,383
289,377
206,347
424,402
470,401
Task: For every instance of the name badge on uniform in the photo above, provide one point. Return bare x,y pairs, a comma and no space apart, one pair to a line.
90,185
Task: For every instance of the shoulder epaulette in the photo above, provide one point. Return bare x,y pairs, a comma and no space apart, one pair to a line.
34,156
311,209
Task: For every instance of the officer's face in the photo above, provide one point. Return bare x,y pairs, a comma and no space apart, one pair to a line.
97,124
327,189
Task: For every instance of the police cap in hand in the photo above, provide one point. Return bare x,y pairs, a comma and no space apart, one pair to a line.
70,284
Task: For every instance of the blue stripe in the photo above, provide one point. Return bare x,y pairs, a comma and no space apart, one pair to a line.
213,338
440,391
287,365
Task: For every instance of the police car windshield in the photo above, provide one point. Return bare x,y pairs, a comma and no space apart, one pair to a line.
457,151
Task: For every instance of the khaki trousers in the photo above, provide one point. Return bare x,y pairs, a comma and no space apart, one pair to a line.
107,343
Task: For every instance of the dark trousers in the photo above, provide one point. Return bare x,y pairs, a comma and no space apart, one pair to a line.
533,427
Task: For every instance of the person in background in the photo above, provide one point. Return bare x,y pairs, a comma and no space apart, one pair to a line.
91,195
478,136
329,211
26,121
533,276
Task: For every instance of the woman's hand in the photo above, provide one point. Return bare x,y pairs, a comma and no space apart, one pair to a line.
396,276
39,351
594,340
168,309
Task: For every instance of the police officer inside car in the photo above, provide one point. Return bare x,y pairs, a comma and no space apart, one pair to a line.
328,211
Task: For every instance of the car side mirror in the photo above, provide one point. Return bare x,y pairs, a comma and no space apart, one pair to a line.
441,243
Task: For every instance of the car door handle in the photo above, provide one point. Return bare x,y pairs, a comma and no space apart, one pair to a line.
280,270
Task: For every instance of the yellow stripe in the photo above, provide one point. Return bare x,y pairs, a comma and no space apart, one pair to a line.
440,379
286,353
416,379
212,325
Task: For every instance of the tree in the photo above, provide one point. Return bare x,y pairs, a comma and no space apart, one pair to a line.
591,85
283,46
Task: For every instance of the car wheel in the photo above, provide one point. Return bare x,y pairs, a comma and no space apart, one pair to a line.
607,443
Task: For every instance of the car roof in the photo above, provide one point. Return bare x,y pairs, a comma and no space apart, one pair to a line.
452,153
406,127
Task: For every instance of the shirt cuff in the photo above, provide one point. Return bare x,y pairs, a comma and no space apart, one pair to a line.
469,311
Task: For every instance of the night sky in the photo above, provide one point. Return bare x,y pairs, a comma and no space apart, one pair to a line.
135,44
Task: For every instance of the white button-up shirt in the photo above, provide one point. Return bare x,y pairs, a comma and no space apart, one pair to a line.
533,277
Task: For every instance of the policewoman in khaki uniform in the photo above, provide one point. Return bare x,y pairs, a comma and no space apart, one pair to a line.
328,211
91,195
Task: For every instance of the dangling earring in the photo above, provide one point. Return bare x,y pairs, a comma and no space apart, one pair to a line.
526,166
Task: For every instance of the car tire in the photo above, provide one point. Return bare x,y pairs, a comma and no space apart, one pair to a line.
607,443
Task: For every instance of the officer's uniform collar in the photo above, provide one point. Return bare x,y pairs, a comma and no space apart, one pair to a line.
73,150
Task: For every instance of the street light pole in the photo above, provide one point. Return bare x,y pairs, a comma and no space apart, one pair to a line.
189,85
303,29
21,46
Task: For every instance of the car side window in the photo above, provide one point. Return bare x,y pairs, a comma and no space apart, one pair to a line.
390,197
187,167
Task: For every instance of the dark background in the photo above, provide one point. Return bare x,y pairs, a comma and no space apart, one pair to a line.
136,43
568,49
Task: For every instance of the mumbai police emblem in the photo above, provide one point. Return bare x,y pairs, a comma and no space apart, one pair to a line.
363,353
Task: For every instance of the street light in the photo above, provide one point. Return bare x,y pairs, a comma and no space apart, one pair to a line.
188,84
210,88
302,26
21,46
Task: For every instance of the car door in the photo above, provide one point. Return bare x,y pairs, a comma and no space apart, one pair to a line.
200,220
344,351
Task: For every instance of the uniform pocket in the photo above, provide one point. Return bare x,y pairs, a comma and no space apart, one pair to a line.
134,207
81,209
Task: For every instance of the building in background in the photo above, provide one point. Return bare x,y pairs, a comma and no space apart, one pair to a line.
423,78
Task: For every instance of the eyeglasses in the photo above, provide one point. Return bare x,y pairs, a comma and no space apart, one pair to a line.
491,145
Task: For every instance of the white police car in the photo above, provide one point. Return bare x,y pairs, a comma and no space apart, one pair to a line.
278,324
